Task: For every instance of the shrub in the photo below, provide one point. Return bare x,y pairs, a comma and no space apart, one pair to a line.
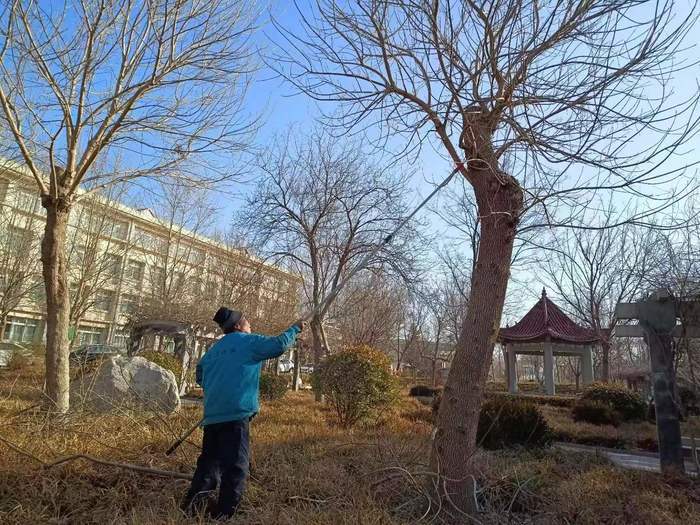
167,361
272,386
508,422
356,382
625,402
595,412
649,444
423,391
689,400
17,360
555,401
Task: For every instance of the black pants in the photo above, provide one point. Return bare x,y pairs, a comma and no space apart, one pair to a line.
224,461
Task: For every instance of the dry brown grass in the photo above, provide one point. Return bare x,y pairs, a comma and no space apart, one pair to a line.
307,471
626,435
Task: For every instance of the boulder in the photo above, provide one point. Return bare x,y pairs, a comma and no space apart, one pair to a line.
133,381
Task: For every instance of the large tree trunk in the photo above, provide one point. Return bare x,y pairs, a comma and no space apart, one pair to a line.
3,321
297,367
605,360
499,199
55,271
665,401
317,348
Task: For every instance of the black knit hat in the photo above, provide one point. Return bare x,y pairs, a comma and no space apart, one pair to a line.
227,318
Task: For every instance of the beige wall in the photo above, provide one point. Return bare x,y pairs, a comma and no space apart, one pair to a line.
131,241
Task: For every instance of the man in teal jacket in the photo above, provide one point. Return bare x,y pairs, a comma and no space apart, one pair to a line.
229,373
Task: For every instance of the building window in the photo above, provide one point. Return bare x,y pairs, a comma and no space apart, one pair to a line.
196,286
149,241
113,266
38,293
4,185
20,329
88,335
104,300
134,271
117,229
178,281
18,239
157,277
128,304
197,256
120,339
28,201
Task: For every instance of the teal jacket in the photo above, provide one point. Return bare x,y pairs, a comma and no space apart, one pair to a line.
229,373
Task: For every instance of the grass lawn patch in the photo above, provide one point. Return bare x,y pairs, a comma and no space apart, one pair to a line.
307,470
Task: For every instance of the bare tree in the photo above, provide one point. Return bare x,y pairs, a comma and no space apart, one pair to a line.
370,312
676,269
238,279
82,81
175,259
435,339
592,271
445,300
97,247
20,272
409,333
519,96
574,369
321,206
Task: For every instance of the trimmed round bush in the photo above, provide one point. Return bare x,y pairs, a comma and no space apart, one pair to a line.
17,360
594,412
423,391
689,400
505,423
356,382
272,386
167,361
627,403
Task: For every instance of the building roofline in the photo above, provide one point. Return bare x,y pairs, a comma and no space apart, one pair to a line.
150,219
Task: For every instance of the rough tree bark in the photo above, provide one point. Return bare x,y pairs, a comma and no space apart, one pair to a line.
55,271
605,359
296,374
317,348
500,201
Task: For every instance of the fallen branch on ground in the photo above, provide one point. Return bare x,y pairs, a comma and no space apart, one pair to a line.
21,451
128,466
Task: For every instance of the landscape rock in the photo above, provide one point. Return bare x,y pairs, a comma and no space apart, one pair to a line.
132,381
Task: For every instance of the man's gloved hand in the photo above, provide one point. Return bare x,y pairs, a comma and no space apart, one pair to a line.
300,325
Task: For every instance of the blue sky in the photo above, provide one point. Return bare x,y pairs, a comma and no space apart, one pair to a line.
282,108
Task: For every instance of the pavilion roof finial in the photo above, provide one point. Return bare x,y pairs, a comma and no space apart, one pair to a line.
544,303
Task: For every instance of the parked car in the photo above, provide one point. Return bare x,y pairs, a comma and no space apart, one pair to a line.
86,353
4,357
285,365
307,369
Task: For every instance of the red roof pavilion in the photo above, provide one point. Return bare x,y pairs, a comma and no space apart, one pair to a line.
546,321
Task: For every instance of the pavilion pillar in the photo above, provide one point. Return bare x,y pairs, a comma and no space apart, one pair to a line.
587,365
512,370
548,368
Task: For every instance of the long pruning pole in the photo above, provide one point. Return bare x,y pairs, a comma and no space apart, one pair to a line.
365,261
337,287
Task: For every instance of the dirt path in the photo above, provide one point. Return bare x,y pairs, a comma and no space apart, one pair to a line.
647,461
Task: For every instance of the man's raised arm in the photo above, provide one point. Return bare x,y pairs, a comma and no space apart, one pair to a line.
266,347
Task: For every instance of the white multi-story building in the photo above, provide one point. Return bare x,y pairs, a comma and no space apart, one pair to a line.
127,250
